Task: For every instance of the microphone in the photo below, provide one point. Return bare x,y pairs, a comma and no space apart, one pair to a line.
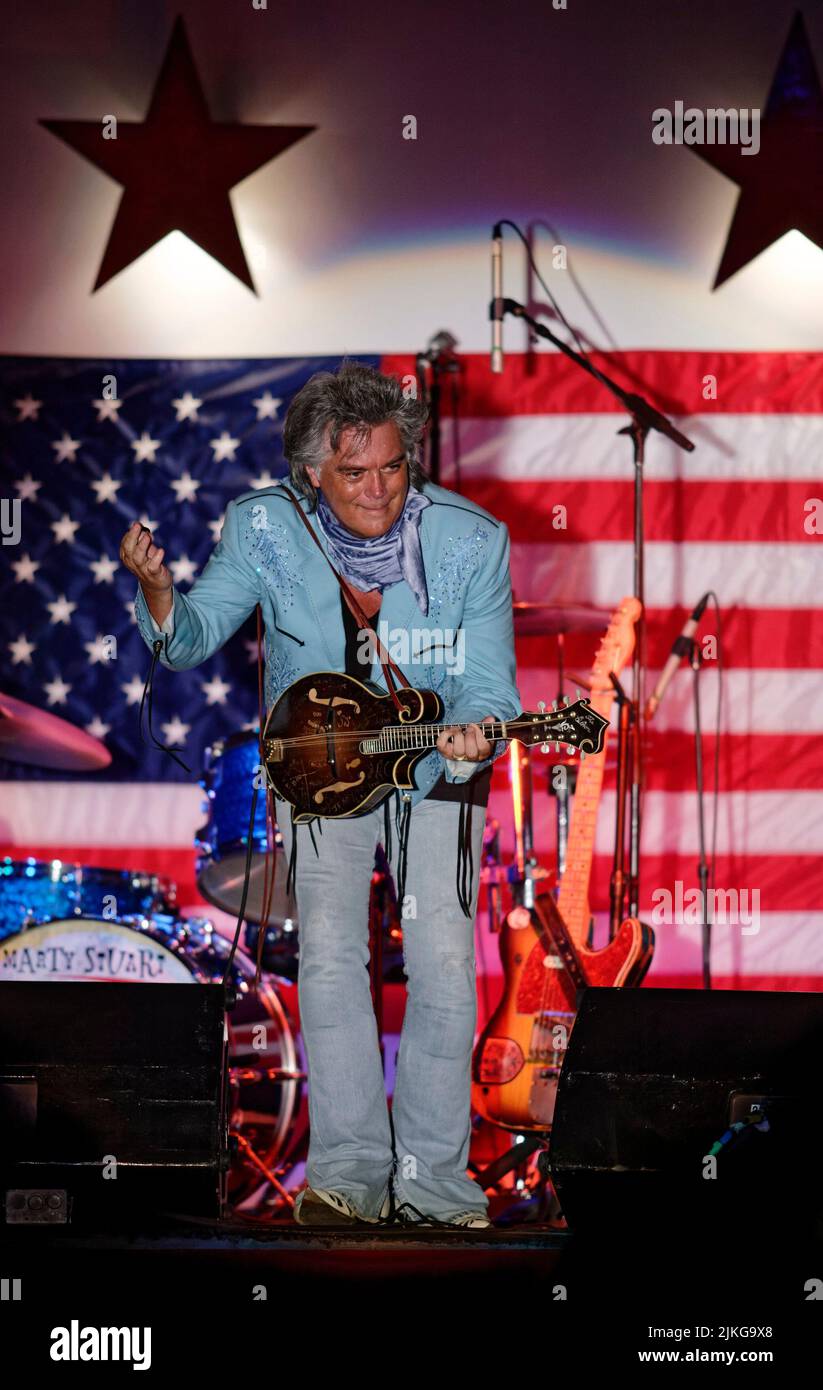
679,649
496,306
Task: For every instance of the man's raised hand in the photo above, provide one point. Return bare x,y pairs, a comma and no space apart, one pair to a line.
145,560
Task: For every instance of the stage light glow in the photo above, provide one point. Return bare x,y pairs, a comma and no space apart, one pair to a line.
795,259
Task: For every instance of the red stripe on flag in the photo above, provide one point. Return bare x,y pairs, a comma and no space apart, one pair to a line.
785,884
759,638
548,383
676,510
748,763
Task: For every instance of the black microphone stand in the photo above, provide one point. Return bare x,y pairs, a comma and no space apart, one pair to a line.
696,663
644,417
617,885
439,358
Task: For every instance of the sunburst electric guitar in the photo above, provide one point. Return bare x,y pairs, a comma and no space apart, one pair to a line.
334,746
545,950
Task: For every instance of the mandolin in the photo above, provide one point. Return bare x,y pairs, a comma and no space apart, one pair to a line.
334,746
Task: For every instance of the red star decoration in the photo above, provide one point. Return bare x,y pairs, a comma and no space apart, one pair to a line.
781,187
177,167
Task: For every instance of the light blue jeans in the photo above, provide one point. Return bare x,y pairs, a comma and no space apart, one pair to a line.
350,1146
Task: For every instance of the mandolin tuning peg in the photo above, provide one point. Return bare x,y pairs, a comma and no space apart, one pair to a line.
544,748
557,748
578,692
554,704
541,705
582,755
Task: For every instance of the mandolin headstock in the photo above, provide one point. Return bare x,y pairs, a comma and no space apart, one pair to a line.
577,725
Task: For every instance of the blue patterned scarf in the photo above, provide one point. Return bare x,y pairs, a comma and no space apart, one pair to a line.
372,562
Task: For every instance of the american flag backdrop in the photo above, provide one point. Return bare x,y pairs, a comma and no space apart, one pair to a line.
738,516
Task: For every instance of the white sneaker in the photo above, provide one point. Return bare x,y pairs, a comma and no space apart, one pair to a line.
470,1220
314,1199
473,1220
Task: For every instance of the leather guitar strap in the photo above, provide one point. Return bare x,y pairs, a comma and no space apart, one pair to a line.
356,611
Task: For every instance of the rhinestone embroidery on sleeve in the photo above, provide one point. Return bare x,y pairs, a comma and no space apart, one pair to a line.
280,672
274,559
459,560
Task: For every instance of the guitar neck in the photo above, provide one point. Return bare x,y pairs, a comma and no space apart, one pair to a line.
573,898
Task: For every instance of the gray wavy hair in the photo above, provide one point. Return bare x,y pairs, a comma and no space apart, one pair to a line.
355,397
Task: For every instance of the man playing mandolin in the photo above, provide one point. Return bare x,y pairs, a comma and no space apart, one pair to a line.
425,563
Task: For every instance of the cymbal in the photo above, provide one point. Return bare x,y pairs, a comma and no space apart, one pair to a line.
546,619
30,735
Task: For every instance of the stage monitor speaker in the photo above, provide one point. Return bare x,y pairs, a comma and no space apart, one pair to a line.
114,1096
653,1078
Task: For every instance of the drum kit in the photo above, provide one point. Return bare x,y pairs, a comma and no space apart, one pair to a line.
61,921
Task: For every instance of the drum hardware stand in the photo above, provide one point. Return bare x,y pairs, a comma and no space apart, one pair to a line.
544,1207
644,417
492,875
561,785
562,778
381,899
625,740
241,1142
376,964
525,870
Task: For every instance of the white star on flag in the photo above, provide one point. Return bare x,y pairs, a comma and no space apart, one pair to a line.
133,690
57,690
186,406
265,480
216,527
251,648
148,523
106,488
27,408
129,607
185,487
215,690
64,529
145,448
183,569
224,447
175,731
25,569
21,650
267,406
61,609
107,410
27,489
65,448
97,728
103,569
99,649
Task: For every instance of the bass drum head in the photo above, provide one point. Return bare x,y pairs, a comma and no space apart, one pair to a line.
264,1068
